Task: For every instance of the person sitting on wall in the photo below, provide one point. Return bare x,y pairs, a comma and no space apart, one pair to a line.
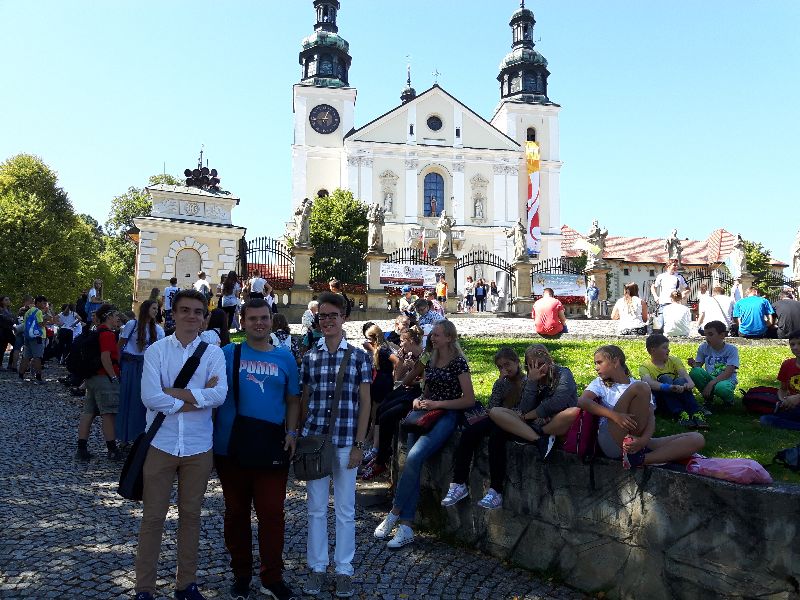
754,315
677,316
548,315
630,311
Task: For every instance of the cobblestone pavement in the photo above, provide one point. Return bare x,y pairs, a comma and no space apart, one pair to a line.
65,532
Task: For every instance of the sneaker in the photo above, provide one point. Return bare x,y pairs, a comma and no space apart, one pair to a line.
313,585
403,537
383,530
144,596
456,493
700,420
84,454
115,455
240,588
190,593
492,500
705,411
545,445
278,591
369,456
344,586
684,420
372,470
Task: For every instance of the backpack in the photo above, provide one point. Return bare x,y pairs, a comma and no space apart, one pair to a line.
761,400
83,359
581,439
789,458
593,293
32,327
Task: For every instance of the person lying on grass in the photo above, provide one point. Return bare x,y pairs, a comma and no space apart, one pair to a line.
626,408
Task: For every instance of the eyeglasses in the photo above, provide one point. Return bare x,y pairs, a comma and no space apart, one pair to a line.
328,316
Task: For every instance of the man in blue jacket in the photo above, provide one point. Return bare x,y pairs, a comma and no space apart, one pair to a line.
268,392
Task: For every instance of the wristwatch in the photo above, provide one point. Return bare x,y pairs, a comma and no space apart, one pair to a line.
360,445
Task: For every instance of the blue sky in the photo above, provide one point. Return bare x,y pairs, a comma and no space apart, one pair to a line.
675,114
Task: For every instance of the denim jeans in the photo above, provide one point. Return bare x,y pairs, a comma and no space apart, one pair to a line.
407,494
673,403
783,419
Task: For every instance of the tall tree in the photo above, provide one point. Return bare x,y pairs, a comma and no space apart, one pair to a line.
338,229
758,263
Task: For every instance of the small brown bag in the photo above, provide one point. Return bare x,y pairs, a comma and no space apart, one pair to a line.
313,456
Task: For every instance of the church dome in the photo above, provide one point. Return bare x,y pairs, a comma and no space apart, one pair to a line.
523,55
523,72
325,55
326,38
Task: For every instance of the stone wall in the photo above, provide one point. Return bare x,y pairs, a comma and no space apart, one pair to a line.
650,533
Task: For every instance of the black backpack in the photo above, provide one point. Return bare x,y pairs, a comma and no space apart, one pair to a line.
789,458
83,359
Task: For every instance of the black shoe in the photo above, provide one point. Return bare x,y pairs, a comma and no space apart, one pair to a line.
83,454
115,455
240,589
278,591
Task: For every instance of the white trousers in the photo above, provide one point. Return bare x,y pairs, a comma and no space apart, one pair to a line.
344,503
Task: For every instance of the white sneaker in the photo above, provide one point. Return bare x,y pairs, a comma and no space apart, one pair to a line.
457,492
383,530
403,537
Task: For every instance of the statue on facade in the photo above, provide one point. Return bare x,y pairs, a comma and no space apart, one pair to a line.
478,207
673,247
301,233
445,226
518,234
738,258
596,239
388,202
796,257
375,218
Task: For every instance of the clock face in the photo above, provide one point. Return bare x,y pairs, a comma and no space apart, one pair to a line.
324,118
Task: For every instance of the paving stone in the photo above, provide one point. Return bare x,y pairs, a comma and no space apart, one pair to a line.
66,533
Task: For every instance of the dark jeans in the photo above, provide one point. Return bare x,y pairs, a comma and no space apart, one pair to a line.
230,311
64,342
471,438
783,419
388,416
480,301
266,491
674,404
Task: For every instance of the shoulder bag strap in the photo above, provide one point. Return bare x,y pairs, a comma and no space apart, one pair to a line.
724,314
181,381
337,394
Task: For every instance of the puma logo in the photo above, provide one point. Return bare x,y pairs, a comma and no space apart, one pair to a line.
256,380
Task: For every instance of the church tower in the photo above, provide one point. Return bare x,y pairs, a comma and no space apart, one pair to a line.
324,107
526,114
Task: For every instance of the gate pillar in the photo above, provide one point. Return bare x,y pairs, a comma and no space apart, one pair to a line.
376,295
302,293
448,263
523,294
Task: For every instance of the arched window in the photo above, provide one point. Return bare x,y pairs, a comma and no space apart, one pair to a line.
326,65
433,196
531,137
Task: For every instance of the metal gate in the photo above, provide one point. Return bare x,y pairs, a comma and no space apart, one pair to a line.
270,258
486,258
412,256
711,277
345,262
772,283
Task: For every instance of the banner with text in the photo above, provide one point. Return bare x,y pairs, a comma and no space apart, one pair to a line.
561,284
407,274
533,160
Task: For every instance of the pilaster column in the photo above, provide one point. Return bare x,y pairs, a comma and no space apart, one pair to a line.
411,190
448,262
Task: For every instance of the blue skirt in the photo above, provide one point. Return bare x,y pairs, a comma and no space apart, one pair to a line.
131,416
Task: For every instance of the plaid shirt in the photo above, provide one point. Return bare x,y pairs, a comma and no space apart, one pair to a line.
319,370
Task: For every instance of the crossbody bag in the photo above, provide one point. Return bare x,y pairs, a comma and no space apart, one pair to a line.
313,457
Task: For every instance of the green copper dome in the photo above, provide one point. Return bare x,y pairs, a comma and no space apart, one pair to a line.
326,38
523,55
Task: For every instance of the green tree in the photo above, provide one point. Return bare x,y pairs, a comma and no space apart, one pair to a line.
338,230
44,247
758,263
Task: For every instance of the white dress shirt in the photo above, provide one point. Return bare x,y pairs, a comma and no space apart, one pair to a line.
182,433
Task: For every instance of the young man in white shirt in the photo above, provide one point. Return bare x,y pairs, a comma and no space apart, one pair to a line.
183,444
667,282
202,286
259,288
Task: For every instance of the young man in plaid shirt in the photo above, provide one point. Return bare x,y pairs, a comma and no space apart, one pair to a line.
318,377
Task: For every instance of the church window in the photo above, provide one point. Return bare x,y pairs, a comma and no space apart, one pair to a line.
530,82
434,123
433,194
531,136
458,132
410,130
652,272
626,272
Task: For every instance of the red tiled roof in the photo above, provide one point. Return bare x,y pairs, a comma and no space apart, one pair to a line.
651,250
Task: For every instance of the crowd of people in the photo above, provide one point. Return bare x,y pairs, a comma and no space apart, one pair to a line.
216,404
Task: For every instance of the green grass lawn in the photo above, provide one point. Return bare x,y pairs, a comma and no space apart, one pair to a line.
734,433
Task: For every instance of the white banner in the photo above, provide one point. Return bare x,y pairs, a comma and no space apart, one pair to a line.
561,284
406,274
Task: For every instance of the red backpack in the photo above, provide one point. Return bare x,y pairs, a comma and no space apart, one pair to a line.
761,400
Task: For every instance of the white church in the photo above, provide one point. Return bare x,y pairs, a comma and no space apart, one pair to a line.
432,153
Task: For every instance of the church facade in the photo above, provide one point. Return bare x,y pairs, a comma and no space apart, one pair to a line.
432,154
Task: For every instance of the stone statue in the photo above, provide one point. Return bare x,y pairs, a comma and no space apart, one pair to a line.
301,234
445,226
518,233
673,247
388,202
375,217
796,257
478,207
738,258
597,245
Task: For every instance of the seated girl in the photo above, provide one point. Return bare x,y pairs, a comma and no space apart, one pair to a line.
506,392
548,406
626,408
448,386
384,362
397,403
